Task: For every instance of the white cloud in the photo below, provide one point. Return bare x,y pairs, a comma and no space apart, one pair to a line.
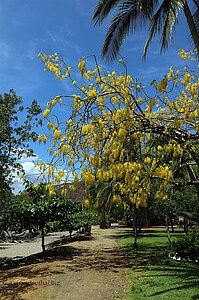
52,36
60,34
32,172
64,36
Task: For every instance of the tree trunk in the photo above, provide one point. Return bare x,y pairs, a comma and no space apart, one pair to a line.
103,217
186,226
146,218
168,231
70,232
42,240
135,226
139,227
191,25
172,226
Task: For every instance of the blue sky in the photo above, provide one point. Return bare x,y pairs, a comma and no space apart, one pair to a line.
30,26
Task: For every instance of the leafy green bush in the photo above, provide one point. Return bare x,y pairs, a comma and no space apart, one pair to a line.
188,246
52,226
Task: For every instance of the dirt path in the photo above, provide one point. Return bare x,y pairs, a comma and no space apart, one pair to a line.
90,269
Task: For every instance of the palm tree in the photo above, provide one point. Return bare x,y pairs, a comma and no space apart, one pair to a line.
161,16
100,195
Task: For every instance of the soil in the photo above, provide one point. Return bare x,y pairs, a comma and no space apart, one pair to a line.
84,268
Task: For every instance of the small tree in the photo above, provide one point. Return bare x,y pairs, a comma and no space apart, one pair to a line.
38,209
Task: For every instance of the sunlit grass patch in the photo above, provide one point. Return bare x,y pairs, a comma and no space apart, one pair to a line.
152,274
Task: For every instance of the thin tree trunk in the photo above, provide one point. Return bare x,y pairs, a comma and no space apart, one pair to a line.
186,225
191,25
42,240
70,232
172,227
146,218
135,226
168,231
139,217
103,217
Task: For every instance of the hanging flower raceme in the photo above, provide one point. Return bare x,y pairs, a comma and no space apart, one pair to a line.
57,134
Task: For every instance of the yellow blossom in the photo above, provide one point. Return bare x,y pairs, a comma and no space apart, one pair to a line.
46,113
81,66
87,203
64,192
162,85
40,138
92,93
57,134
44,139
147,160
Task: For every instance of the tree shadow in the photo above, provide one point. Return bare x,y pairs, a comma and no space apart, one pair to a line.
66,240
11,291
38,266
31,268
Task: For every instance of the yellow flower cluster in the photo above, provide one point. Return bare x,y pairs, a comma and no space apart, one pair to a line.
42,138
164,173
92,93
51,63
161,87
51,189
60,175
82,67
57,134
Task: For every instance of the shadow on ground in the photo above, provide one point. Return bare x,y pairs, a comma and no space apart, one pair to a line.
18,276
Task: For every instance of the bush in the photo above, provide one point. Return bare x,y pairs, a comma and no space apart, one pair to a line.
52,227
122,222
188,246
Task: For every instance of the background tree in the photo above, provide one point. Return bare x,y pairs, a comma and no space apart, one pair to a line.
160,16
35,209
16,131
100,196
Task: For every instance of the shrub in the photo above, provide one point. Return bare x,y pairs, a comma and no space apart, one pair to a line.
188,246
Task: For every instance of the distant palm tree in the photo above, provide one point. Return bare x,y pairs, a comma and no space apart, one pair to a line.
161,16
100,196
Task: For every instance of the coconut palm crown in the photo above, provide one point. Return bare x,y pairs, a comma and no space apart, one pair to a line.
160,16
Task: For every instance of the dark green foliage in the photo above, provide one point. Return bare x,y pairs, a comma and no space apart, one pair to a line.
84,218
188,245
35,209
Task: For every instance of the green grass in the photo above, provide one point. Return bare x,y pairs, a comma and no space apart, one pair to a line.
152,274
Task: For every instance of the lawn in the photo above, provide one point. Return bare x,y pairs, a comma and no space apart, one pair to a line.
152,274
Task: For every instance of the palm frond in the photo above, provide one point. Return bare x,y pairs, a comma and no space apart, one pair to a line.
196,15
104,194
163,23
131,13
102,10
